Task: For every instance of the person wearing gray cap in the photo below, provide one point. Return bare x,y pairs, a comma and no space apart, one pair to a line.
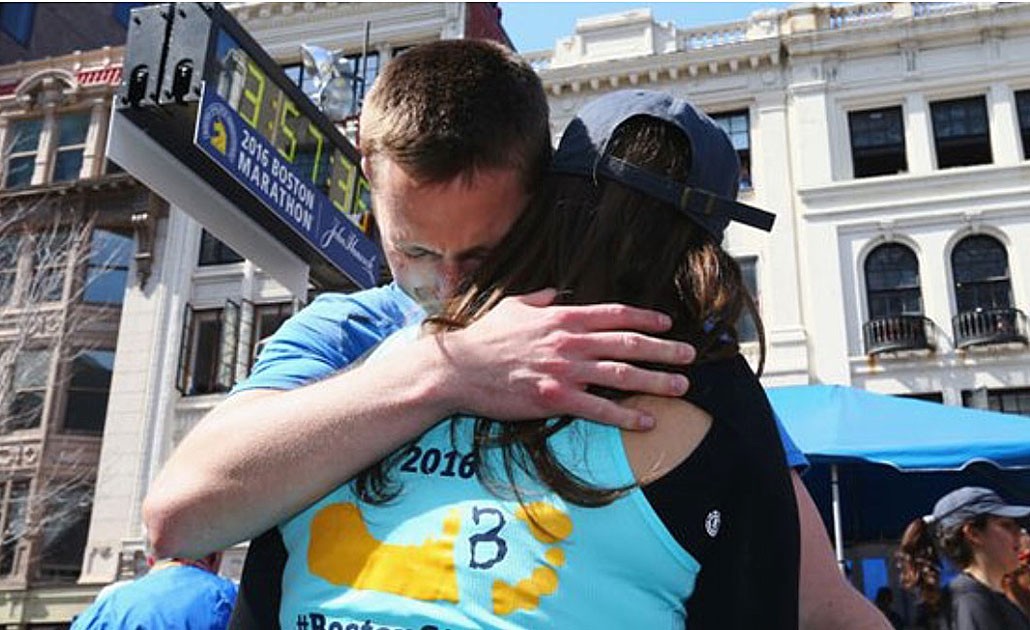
978,532
563,522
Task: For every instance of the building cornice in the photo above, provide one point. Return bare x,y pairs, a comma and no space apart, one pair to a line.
283,27
897,194
661,68
768,38
72,79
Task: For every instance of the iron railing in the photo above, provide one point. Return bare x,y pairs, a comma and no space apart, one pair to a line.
989,326
900,332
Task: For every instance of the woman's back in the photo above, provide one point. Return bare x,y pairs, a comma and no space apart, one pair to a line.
451,552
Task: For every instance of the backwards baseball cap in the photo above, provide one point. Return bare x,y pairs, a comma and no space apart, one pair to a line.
961,505
707,196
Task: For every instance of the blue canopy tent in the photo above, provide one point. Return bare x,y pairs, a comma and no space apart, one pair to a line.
891,457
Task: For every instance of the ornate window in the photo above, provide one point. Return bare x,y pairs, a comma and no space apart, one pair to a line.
65,135
9,244
877,142
71,144
207,356
896,321
980,269
52,250
22,146
88,391
892,282
961,132
13,513
27,391
737,125
107,269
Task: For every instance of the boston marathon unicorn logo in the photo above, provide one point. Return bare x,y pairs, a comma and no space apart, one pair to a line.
218,131
343,552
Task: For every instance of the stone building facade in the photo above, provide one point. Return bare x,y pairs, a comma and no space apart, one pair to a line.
892,141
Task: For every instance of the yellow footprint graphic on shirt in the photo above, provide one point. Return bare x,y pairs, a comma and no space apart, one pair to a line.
548,525
343,551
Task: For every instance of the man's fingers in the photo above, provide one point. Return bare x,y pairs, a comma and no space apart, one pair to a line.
590,407
598,317
629,378
629,346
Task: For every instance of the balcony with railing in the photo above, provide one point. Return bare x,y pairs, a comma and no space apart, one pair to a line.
994,326
898,333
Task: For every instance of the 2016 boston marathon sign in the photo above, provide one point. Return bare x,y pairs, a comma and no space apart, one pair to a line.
250,159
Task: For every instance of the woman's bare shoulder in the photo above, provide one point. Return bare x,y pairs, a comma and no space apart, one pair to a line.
680,427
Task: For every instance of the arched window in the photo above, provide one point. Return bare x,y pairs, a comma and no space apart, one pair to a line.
892,282
980,269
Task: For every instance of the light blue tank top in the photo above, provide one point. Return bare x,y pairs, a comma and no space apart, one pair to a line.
448,553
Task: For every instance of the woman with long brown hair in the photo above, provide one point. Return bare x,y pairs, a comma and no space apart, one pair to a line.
975,530
562,522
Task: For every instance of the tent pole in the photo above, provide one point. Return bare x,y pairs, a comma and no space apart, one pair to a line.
838,537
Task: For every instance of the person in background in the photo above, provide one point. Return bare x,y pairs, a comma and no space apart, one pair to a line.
885,604
974,529
176,594
564,522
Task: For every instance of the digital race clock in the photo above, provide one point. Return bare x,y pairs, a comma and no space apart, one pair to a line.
200,86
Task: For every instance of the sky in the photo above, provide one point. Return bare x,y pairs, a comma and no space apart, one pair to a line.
537,25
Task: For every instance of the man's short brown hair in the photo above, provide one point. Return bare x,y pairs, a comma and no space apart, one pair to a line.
454,107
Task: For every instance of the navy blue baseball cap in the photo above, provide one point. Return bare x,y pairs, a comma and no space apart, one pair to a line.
707,196
963,504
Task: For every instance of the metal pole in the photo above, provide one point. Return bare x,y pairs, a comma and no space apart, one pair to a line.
838,536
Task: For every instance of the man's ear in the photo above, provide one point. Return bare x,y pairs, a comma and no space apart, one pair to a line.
366,169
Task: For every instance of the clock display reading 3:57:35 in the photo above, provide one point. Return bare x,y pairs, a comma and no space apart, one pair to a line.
274,116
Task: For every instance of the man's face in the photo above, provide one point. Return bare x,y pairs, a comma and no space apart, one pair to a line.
434,235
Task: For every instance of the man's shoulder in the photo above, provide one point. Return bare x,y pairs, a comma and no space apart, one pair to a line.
388,303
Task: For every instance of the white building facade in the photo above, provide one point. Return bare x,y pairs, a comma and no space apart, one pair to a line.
891,141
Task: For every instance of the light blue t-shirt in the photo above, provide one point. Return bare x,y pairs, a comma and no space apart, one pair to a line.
330,334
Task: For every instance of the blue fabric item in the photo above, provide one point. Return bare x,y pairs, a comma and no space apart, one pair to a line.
178,597
328,335
795,458
837,424
448,553
707,196
451,553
